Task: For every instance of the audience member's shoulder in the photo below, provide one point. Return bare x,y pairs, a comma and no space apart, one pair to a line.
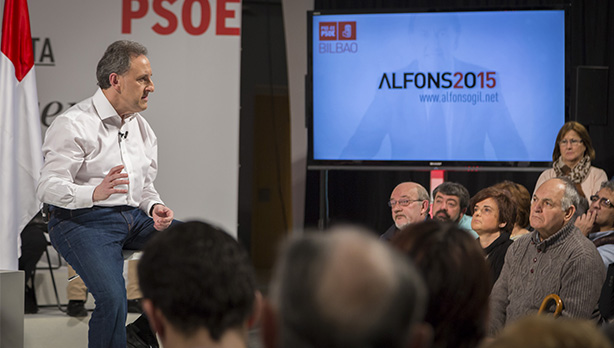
583,248
82,113
547,174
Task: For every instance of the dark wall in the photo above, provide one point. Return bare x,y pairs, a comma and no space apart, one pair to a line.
263,73
361,196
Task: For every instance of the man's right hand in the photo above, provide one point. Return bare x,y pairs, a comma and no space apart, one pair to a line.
107,186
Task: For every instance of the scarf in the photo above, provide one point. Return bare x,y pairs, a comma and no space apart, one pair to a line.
577,174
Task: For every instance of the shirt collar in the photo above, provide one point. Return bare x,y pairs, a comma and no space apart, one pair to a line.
105,109
596,235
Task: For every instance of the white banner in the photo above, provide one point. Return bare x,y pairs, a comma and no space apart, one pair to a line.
194,50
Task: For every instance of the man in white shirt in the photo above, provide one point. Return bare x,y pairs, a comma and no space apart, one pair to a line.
100,165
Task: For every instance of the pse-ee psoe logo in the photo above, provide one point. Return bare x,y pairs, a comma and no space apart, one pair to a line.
344,33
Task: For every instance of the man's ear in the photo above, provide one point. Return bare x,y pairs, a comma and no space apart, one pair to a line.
425,207
254,318
569,213
503,224
115,81
155,317
269,329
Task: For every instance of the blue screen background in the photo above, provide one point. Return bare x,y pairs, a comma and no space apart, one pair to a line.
526,49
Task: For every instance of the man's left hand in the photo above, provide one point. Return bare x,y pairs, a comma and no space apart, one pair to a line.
585,222
162,217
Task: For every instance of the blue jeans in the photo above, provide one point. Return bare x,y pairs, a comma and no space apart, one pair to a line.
91,240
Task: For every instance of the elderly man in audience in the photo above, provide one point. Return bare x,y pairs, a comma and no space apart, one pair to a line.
409,202
198,286
450,202
598,223
554,259
344,289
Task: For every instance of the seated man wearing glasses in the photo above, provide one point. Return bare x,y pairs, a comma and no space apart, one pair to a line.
409,202
598,222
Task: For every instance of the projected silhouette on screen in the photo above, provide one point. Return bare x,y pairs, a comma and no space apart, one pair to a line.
422,123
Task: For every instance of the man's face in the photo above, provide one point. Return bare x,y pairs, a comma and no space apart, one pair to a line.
135,86
404,215
447,208
434,39
604,213
547,215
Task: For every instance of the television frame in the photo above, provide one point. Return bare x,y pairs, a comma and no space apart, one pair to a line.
517,166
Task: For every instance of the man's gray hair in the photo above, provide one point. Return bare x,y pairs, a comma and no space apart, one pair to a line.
582,207
344,288
116,59
608,184
454,189
571,196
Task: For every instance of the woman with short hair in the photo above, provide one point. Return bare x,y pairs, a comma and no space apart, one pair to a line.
493,219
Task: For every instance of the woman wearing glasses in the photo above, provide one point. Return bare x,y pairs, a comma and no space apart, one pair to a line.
572,156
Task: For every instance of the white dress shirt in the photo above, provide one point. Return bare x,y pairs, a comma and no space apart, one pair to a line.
84,143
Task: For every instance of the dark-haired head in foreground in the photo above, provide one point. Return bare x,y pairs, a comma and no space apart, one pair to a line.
344,289
457,278
197,285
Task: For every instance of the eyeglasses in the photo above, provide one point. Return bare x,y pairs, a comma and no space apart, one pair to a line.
402,202
604,202
573,142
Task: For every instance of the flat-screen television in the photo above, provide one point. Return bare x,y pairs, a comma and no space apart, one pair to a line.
479,89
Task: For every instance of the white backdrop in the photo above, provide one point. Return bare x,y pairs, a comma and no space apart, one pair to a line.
194,50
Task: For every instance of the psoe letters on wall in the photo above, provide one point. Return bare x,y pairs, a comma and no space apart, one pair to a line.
181,10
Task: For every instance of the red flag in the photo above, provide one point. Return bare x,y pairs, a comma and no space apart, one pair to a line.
20,131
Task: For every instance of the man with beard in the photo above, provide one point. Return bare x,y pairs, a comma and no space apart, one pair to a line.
409,203
598,223
450,201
